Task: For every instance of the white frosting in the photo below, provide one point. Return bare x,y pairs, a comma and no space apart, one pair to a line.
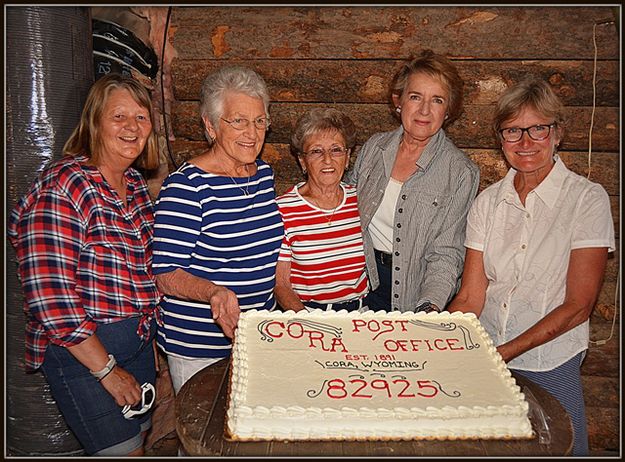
371,375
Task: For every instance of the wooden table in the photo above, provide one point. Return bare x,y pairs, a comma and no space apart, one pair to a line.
201,406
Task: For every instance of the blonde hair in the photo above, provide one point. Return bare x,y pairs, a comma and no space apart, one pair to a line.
86,139
530,93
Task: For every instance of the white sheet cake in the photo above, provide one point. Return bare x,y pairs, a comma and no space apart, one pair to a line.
366,376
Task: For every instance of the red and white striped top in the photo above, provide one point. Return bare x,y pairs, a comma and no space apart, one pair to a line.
324,248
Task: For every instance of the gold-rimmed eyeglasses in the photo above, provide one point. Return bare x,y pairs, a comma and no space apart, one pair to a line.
238,123
318,153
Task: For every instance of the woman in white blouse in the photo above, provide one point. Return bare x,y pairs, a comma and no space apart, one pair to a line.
537,245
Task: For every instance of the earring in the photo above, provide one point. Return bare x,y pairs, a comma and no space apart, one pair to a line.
398,109
446,116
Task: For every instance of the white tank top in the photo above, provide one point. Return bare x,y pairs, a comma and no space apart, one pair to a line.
381,226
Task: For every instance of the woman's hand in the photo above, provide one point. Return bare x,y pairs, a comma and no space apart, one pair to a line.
584,279
226,310
122,386
223,301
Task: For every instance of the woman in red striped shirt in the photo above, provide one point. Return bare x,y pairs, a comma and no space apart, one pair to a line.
322,262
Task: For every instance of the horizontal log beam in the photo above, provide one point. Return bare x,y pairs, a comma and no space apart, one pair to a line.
603,429
471,130
491,162
392,32
602,360
601,391
367,81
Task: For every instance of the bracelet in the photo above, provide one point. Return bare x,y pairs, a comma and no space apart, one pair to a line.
106,370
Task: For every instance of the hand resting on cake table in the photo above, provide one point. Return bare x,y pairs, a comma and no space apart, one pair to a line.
537,245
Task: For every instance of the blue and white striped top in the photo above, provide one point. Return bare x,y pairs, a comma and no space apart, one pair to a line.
207,225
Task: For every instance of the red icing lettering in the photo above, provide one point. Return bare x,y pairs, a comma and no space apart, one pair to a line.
425,384
402,393
395,345
402,323
336,342
315,336
271,324
336,389
358,323
452,342
379,384
295,328
363,384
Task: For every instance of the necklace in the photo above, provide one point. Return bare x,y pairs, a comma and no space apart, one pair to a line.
245,191
328,218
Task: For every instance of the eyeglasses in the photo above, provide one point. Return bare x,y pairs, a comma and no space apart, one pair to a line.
261,123
535,132
318,153
147,399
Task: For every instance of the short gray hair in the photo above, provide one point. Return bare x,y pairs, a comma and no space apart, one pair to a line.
230,78
320,120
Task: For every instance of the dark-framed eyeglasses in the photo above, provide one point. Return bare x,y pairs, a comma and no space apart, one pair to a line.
238,123
536,132
318,153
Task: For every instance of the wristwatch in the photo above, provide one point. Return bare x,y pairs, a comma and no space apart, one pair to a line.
426,307
106,370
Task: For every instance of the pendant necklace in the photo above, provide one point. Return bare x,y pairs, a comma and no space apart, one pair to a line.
331,217
245,191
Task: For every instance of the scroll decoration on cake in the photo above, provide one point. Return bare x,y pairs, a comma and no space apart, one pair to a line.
313,394
454,394
449,327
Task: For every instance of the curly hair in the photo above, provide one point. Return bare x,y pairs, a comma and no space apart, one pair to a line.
320,120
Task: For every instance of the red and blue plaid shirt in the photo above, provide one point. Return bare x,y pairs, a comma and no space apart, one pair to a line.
83,256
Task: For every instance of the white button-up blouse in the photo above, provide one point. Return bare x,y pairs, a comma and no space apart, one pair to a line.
526,252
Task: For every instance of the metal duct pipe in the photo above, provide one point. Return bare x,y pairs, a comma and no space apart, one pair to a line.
49,70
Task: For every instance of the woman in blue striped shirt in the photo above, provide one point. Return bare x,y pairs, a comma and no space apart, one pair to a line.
217,230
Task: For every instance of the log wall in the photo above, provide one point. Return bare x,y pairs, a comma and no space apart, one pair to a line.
345,57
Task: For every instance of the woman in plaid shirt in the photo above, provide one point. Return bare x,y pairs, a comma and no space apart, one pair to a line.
83,240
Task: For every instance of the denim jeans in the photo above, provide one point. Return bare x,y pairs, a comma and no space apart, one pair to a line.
89,410
380,298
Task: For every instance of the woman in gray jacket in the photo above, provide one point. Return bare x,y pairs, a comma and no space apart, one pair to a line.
415,188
